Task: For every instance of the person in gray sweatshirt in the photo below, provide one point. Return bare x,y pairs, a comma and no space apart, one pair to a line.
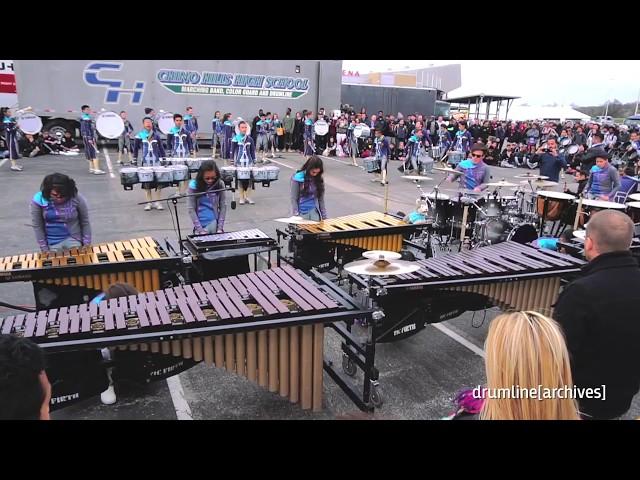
604,180
60,215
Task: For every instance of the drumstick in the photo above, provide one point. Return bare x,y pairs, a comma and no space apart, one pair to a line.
578,213
463,228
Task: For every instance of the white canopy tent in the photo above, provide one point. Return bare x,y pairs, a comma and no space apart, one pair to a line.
559,113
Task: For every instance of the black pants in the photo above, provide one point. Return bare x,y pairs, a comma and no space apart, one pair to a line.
288,139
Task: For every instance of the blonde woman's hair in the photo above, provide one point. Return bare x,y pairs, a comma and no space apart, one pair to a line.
524,350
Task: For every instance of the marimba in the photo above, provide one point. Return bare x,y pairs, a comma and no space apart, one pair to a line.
267,326
343,239
137,261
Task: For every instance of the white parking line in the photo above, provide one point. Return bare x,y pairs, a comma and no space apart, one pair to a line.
108,159
335,160
4,161
462,341
283,164
183,411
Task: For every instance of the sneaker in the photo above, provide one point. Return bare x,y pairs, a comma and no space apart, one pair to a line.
147,207
16,168
267,160
250,202
242,201
108,397
91,170
99,172
273,155
158,206
374,180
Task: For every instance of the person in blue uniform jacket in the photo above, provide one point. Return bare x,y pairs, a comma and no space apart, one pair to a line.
309,148
262,143
148,145
228,132
474,173
217,136
191,124
463,139
243,152
179,143
9,133
89,140
416,151
207,211
381,149
125,140
307,191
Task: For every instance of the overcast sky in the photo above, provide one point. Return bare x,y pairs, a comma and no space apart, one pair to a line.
538,82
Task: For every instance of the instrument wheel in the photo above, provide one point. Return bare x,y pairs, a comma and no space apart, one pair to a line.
348,366
375,395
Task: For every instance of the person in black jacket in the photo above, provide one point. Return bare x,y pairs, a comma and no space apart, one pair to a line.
599,315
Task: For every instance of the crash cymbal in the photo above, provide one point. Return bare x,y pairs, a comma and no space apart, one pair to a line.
296,221
416,177
447,170
502,183
381,255
381,267
531,175
635,197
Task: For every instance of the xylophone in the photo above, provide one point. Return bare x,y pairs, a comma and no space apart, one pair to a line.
267,326
343,239
78,272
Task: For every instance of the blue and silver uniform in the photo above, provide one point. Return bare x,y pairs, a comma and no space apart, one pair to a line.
88,137
9,132
381,145
264,131
228,131
179,142
191,125
308,137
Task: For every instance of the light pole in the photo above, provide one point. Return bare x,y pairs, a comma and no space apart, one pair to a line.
637,100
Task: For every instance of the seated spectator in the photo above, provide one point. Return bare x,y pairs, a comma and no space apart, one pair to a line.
68,144
50,144
330,151
599,315
25,391
508,157
31,146
526,350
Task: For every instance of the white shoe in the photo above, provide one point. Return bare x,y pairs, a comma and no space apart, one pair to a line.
91,170
374,180
108,397
250,202
147,207
99,172
16,168
242,201
158,206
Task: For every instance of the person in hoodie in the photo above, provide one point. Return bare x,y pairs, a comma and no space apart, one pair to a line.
149,144
473,172
604,180
207,211
60,215
243,152
180,143
89,139
191,125
307,191
228,131
309,148
9,134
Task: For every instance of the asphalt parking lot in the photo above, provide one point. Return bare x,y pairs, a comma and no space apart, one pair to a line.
418,376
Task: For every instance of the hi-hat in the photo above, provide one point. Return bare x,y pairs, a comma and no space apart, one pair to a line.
381,255
447,170
416,177
381,267
531,175
502,183
296,221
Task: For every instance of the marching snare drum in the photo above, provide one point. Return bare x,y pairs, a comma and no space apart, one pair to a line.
243,173
145,174
372,164
29,123
272,172
129,176
165,122
163,174
180,172
565,142
455,158
194,164
259,174
228,173
109,125
435,152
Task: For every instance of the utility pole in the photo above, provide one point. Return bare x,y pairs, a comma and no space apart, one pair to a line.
637,100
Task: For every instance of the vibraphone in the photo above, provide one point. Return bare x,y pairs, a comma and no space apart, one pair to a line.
222,254
508,275
142,262
339,240
267,326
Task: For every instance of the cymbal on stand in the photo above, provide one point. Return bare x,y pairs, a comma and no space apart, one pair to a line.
381,255
296,221
381,267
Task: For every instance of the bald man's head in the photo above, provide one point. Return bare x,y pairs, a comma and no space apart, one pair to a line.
609,231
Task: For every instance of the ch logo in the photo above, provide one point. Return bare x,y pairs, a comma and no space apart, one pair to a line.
113,86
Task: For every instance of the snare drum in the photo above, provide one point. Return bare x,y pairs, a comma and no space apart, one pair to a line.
435,152
145,174
272,172
455,158
163,174
228,173
633,209
243,173
129,176
372,164
180,172
260,174
557,204
194,164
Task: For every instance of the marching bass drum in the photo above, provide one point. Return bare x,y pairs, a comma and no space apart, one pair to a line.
109,125
29,123
165,122
321,128
361,131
